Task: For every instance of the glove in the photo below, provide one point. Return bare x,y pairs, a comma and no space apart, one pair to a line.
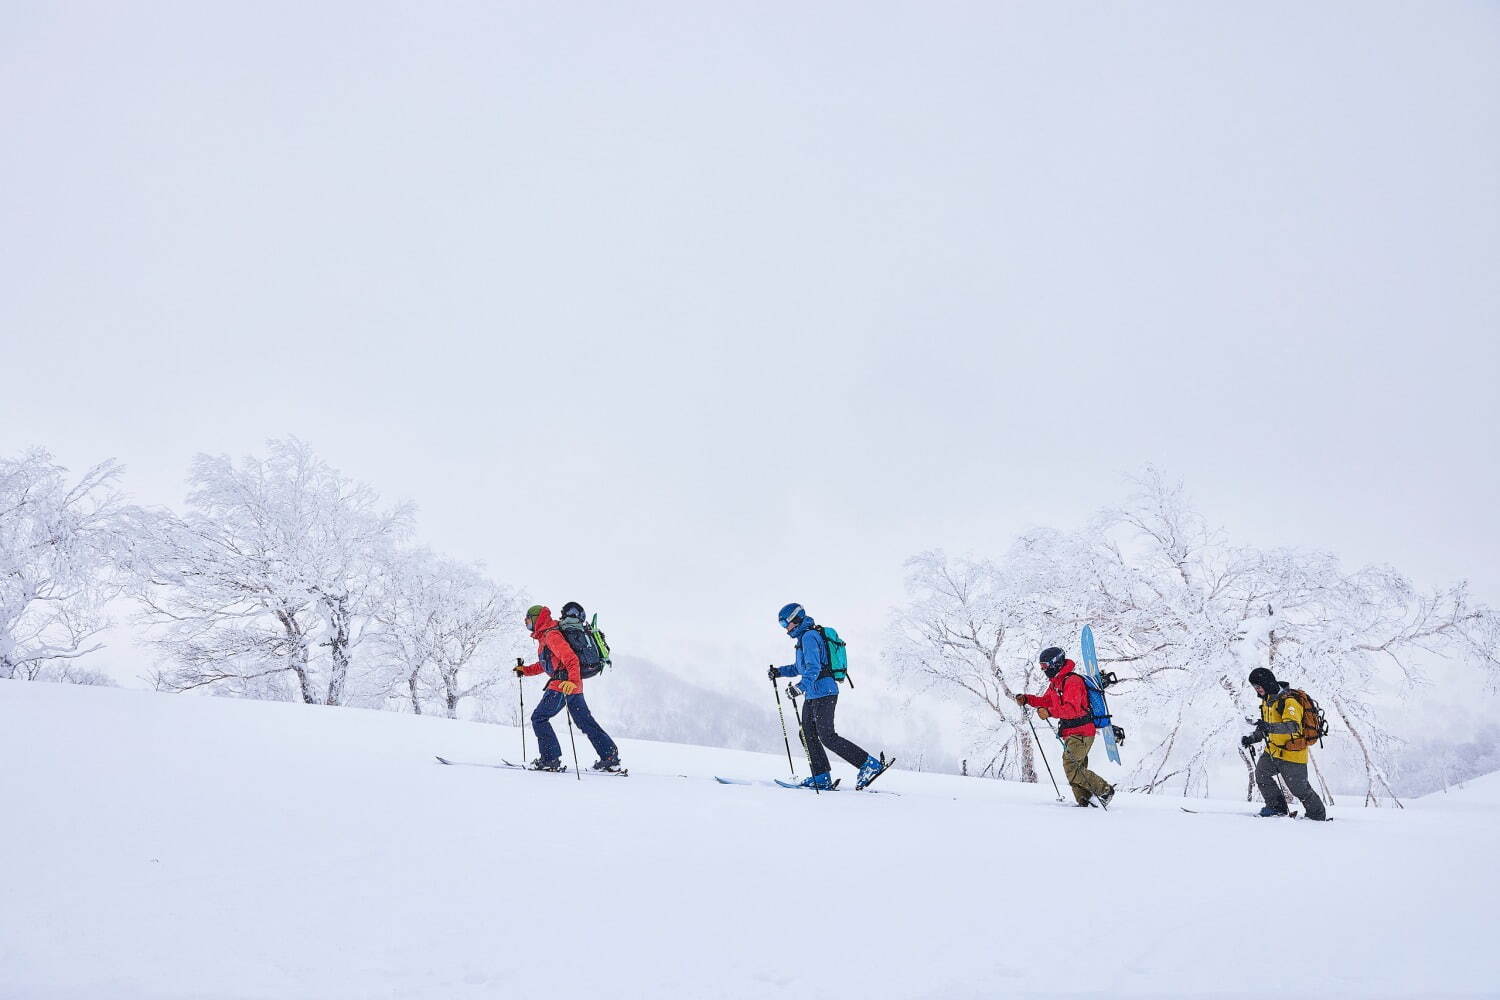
774,674
567,687
1249,741
520,667
1262,730
1042,713
794,690
1021,700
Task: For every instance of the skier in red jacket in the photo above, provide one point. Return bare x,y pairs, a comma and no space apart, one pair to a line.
1067,700
557,660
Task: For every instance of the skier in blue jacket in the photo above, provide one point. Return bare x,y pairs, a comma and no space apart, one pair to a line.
821,696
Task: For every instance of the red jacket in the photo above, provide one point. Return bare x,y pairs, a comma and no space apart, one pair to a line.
552,648
1065,701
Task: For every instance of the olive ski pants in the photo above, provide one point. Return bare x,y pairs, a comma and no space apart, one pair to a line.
1081,780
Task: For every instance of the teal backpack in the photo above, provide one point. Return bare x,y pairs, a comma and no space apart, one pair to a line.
838,654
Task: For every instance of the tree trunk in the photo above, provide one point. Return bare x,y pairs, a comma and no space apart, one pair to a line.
450,691
338,651
411,683
1373,772
1028,756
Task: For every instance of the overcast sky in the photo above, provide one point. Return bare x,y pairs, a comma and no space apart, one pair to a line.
688,310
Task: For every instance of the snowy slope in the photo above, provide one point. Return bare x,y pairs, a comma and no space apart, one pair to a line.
1482,792
200,848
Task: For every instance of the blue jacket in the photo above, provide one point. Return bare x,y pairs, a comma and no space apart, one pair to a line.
812,659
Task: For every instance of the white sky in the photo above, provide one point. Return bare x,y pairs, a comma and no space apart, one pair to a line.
688,310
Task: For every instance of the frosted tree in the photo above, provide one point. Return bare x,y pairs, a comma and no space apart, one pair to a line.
963,631
1182,616
62,548
275,572
448,627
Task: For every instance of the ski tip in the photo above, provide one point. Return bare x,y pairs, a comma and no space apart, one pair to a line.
443,760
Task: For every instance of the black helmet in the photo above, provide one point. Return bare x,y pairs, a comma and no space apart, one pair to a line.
1052,659
574,610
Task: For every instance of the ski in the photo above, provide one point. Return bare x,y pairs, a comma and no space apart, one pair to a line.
622,773
618,773
791,784
1293,814
797,784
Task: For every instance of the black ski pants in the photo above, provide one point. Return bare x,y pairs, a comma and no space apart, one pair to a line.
817,728
1295,776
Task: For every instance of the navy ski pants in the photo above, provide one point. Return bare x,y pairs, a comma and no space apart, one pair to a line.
817,727
546,740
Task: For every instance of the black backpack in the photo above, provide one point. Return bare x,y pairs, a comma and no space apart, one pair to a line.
585,639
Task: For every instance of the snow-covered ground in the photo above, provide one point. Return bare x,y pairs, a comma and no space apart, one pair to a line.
182,847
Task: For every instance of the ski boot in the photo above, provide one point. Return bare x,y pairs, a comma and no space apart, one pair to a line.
1269,811
821,782
546,764
872,769
610,763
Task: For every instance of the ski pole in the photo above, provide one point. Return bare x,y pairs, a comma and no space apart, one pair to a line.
576,773
1039,750
521,722
802,734
784,737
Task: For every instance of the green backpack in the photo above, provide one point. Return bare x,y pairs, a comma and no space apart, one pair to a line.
838,654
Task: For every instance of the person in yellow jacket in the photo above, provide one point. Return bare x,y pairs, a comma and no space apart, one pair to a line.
1280,726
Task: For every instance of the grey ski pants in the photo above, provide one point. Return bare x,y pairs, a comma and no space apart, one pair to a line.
1295,776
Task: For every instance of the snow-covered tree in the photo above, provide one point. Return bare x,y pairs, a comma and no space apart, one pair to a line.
447,628
62,547
1182,615
275,572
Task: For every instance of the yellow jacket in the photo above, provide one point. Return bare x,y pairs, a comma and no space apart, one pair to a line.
1283,716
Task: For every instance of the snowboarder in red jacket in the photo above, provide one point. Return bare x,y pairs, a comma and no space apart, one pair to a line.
1067,700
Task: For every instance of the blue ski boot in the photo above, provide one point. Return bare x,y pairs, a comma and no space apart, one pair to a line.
870,770
819,781
1272,811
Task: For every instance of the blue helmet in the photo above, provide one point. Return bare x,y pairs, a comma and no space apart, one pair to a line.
791,616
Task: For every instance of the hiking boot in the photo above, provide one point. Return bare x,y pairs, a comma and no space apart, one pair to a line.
548,764
610,763
1272,811
870,769
1107,797
819,781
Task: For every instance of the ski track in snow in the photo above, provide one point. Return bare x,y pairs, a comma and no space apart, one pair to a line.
184,847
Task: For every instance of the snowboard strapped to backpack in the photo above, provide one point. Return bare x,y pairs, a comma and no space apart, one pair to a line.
585,639
838,654
1314,723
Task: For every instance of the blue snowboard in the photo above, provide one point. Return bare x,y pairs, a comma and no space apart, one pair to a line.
1097,704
